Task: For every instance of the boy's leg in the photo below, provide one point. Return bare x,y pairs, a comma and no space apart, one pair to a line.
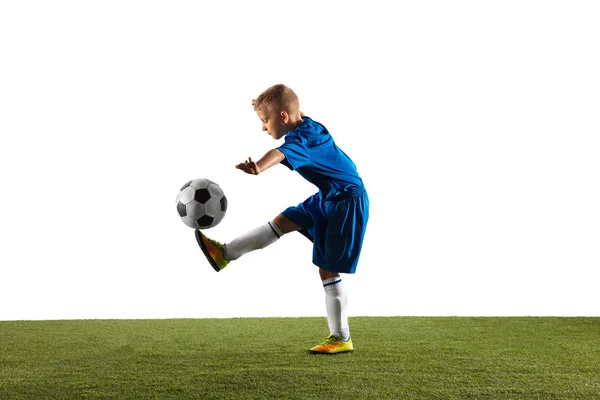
219,254
285,225
258,238
335,301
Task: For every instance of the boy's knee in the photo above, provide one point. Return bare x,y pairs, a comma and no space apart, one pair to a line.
285,225
327,274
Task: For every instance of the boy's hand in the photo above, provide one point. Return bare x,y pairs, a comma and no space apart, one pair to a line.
248,167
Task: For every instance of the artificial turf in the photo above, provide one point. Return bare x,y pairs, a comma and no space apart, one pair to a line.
266,358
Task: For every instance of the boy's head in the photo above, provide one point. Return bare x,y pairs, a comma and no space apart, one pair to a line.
279,110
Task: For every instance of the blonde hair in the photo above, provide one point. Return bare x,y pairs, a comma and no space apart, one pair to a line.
277,97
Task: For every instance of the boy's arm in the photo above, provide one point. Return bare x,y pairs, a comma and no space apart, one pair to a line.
271,157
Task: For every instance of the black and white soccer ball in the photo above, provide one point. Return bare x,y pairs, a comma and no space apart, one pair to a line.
201,204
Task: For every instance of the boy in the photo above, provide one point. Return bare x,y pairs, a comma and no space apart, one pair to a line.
334,218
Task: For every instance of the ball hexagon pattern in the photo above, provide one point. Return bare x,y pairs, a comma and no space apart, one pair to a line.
201,204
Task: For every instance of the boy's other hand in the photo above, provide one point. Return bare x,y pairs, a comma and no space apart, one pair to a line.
248,167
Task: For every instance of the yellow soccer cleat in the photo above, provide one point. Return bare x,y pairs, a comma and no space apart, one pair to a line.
213,251
333,345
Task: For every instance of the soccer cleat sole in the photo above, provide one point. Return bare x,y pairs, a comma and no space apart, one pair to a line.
330,354
205,251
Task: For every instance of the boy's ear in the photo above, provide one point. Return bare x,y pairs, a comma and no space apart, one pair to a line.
284,116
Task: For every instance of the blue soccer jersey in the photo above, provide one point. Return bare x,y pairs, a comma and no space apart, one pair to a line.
335,218
311,151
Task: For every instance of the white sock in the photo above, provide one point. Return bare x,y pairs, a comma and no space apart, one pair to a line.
336,302
258,238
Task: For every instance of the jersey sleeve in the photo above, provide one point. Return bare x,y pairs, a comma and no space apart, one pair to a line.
295,151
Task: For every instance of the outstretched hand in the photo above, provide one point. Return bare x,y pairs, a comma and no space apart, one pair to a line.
248,167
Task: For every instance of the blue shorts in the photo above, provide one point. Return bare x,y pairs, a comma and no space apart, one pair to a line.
336,227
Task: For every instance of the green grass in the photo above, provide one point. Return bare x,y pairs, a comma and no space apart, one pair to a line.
266,358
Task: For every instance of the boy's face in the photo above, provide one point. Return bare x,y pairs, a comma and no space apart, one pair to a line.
273,122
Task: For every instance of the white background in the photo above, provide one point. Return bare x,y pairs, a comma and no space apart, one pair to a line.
474,124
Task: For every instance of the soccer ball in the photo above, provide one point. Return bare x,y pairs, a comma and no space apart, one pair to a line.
201,204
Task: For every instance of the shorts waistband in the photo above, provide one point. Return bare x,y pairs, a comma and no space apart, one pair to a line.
348,193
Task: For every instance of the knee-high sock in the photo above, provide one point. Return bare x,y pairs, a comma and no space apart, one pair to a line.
336,302
258,238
